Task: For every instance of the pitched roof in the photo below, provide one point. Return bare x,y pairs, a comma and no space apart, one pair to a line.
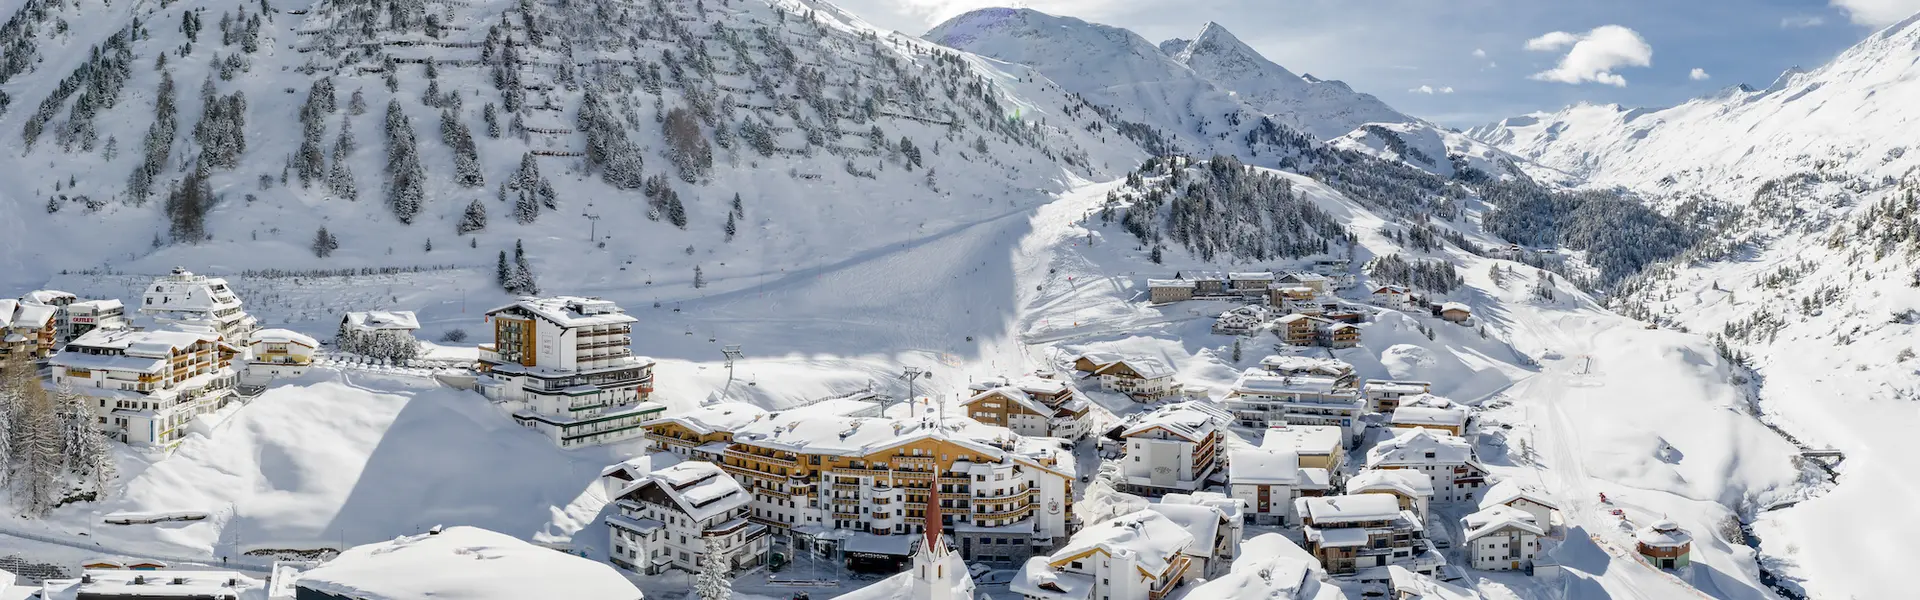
1450,306
1146,368
698,489
1497,518
1150,537
722,416
283,336
572,311
1506,492
1414,586
1408,482
1185,419
1306,365
1202,523
1303,439
1351,508
1425,415
1270,566
1411,447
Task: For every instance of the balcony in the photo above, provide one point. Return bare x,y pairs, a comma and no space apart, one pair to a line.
1018,495
762,458
1018,511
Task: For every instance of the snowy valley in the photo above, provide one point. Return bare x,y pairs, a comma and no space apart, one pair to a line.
814,254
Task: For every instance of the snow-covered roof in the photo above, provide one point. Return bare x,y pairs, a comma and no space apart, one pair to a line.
1038,579
1408,585
1303,439
157,343
1351,508
108,362
1184,419
1146,368
1387,386
403,320
1429,400
1453,306
1497,518
1420,447
1251,276
283,336
464,563
1202,523
1305,365
185,291
1339,537
699,489
1152,539
47,296
1270,567
572,311
1315,478
7,308
1261,465
722,416
95,306
1255,381
1303,277
1423,415
1407,482
1169,283
1014,395
835,435
1663,534
34,316
1508,491
1390,289
163,583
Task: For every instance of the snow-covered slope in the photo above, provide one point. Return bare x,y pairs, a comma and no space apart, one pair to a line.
1852,116
1437,150
870,138
1811,284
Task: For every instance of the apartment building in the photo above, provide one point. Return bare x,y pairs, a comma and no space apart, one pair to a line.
279,353
1449,460
87,315
664,520
1139,556
1383,395
27,329
1318,446
1260,398
1175,448
146,386
1034,406
1265,479
563,366
1351,533
1143,379
1412,488
184,298
1501,538
1309,366
859,485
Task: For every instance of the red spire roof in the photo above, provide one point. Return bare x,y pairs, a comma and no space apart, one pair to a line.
933,522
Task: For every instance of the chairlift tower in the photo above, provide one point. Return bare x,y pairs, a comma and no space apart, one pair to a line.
910,374
732,353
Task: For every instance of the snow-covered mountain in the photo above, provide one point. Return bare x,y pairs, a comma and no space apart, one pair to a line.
1852,117
823,126
1322,108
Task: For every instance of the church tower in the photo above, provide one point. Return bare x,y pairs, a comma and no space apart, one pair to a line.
938,571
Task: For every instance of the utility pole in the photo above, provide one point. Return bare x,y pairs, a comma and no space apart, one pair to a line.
732,352
593,227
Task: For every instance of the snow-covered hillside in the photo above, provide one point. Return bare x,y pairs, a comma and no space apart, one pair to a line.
825,127
1442,152
1809,280
1321,108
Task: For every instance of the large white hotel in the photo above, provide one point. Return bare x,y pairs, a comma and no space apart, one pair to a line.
563,365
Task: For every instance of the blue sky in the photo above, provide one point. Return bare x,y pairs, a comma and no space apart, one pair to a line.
1391,48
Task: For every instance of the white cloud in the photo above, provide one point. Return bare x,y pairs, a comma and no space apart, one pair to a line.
1479,53
1430,90
1594,55
1552,41
1877,13
1699,74
1802,21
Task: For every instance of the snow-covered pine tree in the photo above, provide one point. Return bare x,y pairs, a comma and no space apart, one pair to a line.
699,277
406,179
41,467
475,218
1236,350
187,205
731,228
221,131
500,271
358,104
324,243
526,207
737,209
157,144
715,581
609,151
687,147
492,117
466,157
429,247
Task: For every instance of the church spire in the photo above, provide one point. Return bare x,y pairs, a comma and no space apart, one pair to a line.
933,523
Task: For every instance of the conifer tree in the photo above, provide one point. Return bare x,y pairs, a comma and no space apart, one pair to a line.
715,581
406,179
324,243
475,218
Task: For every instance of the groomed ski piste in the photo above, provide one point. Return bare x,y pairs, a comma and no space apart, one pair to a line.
1648,417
